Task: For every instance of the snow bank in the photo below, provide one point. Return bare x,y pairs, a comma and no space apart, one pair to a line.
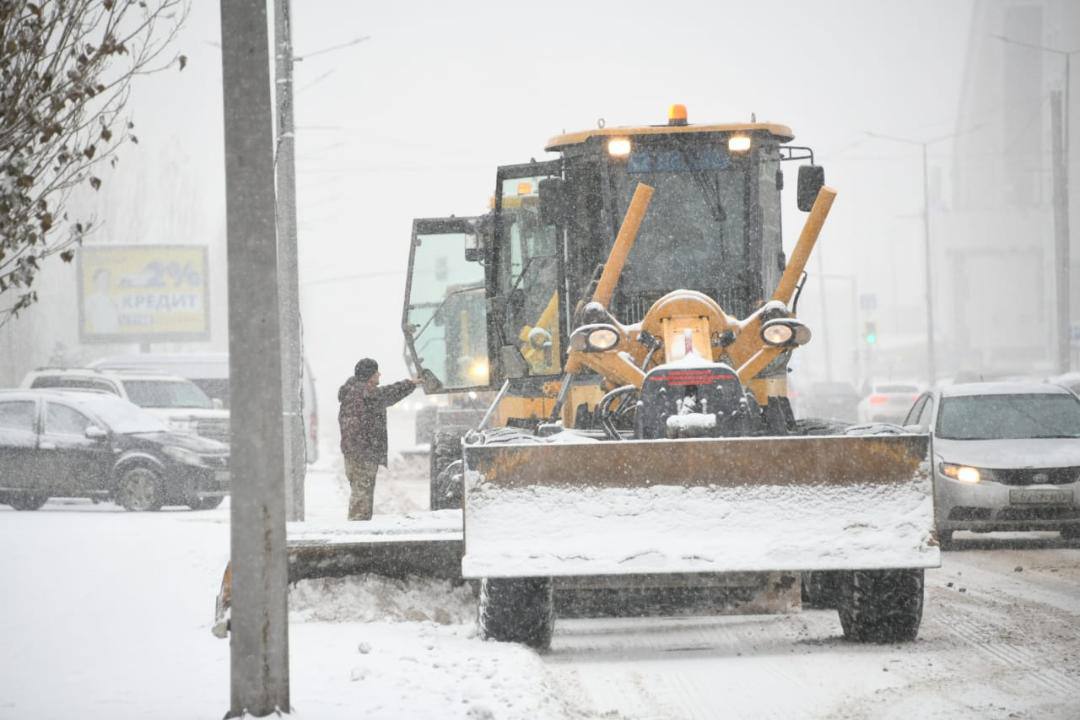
370,598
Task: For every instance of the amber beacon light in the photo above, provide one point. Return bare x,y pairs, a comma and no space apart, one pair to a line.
676,114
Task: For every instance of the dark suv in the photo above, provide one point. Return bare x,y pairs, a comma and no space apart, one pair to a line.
99,446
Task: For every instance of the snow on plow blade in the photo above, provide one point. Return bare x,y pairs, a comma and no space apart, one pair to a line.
698,505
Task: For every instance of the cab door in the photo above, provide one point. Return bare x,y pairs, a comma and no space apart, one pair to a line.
528,300
445,315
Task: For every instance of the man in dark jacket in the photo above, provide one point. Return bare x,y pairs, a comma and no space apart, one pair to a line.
362,419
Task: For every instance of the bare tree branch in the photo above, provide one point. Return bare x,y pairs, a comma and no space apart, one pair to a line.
65,77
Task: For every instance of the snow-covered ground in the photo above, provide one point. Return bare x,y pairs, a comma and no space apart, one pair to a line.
106,614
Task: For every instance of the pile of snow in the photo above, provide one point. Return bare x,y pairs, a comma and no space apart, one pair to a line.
373,598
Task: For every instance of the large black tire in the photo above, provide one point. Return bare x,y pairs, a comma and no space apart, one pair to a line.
880,606
518,610
206,503
27,502
139,489
1070,532
819,588
445,450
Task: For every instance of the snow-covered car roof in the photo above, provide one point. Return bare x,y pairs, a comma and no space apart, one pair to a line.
1001,388
110,374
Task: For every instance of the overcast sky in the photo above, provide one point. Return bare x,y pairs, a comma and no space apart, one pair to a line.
413,122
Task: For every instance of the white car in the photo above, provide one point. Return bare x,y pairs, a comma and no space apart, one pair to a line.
210,371
179,402
888,402
1006,456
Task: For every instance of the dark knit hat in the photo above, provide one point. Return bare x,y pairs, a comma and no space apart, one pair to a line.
365,369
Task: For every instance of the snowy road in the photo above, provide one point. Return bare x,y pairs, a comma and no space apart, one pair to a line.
106,614
1000,639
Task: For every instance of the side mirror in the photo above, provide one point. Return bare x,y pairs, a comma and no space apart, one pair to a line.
811,180
93,432
552,201
218,405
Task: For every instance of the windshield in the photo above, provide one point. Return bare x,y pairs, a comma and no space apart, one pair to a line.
167,394
999,417
120,415
694,233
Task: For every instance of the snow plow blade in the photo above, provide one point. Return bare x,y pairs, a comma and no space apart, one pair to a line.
425,544
698,506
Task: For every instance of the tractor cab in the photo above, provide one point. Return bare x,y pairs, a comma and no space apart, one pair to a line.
713,227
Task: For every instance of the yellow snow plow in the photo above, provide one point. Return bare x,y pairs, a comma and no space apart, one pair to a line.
639,315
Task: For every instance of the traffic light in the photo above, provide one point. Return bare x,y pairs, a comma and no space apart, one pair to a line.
870,333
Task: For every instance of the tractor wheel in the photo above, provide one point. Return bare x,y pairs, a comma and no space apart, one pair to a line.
139,489
819,588
27,502
1070,532
517,610
206,503
880,606
445,450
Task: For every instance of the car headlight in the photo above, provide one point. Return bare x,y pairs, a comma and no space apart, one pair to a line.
963,473
182,455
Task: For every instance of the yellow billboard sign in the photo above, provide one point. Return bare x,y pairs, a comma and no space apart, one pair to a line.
143,293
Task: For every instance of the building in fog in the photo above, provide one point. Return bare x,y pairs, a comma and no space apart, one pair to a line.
993,247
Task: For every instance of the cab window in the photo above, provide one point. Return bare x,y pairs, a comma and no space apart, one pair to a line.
530,278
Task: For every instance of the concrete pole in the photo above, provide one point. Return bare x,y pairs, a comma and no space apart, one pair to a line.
288,280
824,315
259,646
931,363
1061,231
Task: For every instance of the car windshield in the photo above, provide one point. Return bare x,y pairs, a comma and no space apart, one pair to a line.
167,394
998,417
120,415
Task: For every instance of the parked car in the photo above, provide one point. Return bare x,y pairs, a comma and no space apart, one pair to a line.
832,400
179,402
210,371
1006,456
95,445
888,402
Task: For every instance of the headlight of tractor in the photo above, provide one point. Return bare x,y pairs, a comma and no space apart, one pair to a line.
594,338
962,473
182,455
784,332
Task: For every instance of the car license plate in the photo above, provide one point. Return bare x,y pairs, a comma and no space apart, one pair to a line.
1040,496
221,476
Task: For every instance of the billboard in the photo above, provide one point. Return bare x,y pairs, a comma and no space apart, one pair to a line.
143,293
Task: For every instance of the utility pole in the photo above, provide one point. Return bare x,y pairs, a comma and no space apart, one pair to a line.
824,315
931,359
259,647
292,345
931,354
1061,233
